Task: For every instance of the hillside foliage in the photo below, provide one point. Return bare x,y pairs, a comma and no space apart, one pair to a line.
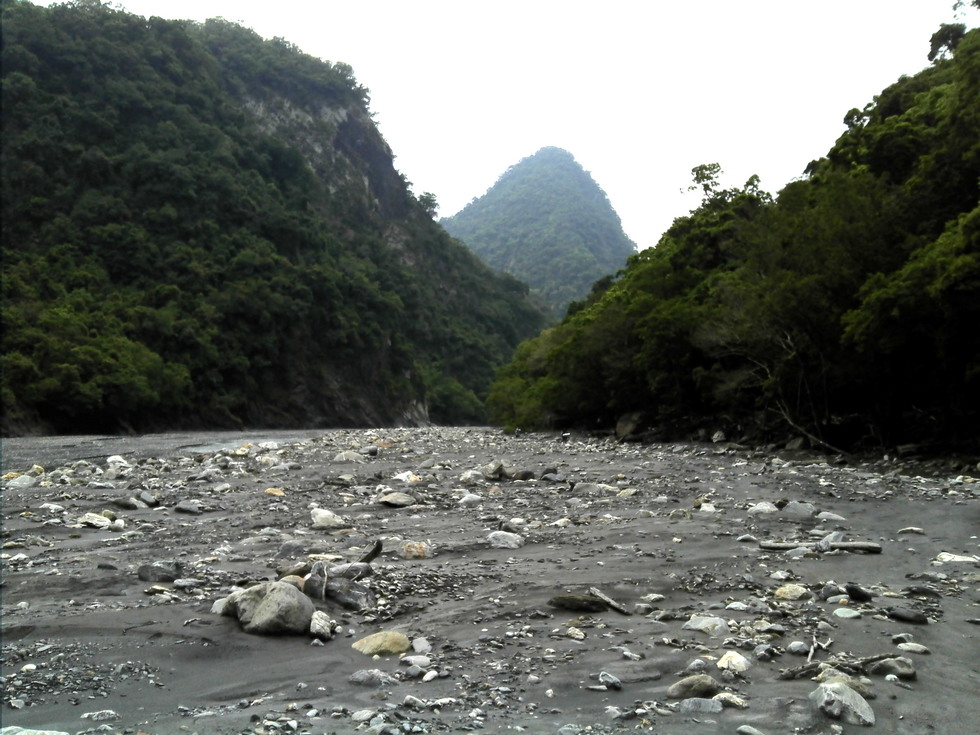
846,309
201,227
547,222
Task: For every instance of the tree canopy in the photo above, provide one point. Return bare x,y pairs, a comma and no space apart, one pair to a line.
204,227
547,222
844,309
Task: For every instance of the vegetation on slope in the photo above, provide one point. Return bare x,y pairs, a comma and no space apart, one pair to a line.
845,309
202,227
547,222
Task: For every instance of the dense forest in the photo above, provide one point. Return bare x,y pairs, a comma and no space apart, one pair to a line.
547,222
201,227
845,310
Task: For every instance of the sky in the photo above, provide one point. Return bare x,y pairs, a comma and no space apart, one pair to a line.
639,91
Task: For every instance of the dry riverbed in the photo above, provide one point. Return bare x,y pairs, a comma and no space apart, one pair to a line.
534,583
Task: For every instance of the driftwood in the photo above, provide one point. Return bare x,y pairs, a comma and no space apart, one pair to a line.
842,662
866,546
609,601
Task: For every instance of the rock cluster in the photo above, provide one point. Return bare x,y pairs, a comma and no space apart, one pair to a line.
462,579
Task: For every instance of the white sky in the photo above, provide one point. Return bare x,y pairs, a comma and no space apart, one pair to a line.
639,91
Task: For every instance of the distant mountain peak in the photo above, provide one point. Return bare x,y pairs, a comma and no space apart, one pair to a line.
549,223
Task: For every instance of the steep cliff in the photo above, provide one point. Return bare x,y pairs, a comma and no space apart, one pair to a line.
205,228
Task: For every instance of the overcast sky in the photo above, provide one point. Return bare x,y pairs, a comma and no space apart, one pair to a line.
639,91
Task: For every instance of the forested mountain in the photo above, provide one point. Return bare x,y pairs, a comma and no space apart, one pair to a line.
547,222
204,228
846,309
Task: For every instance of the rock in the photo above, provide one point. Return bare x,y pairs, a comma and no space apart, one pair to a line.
696,685
847,613
947,558
14,730
579,603
733,661
627,424
189,507
371,678
799,508
914,648
907,616
838,701
731,700
700,705
748,730
415,550
505,540
792,592
322,626
397,500
349,594
610,681
95,520
385,643
160,571
712,625
899,666
273,608
858,593
323,519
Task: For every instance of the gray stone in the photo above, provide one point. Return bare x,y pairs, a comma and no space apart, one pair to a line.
371,678
799,508
700,705
712,625
189,507
696,686
505,540
274,608
160,571
322,626
397,500
838,701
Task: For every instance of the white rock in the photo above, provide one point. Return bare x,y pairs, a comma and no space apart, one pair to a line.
323,518
95,520
505,540
710,624
763,507
733,661
945,557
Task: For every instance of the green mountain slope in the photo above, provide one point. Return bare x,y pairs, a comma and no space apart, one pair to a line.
547,222
204,228
845,310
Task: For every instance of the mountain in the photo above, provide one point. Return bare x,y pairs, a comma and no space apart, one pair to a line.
842,312
547,222
201,227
